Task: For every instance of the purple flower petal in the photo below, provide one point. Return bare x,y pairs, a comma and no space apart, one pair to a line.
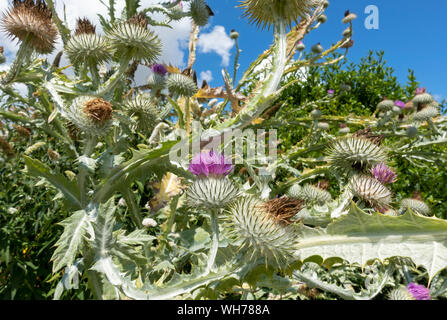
160,69
210,163
400,104
383,173
419,292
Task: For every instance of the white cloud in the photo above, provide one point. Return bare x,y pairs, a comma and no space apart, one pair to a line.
217,41
206,75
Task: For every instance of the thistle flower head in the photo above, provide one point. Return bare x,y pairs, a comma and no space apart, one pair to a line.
144,110
210,163
354,154
181,85
85,48
415,205
330,92
260,230
91,115
370,191
159,69
135,40
383,173
385,105
200,12
312,194
419,292
30,20
211,192
400,293
426,114
265,12
422,99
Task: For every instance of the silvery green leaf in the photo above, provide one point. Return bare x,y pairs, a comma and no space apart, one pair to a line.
359,237
87,163
137,237
75,229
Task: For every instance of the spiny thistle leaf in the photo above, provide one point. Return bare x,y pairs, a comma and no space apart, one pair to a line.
359,237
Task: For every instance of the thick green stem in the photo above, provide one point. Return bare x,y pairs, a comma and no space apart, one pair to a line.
83,172
134,209
22,55
94,73
116,77
215,238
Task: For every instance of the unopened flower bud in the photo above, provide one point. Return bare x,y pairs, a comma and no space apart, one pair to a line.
322,18
349,17
317,48
300,46
234,34
412,132
316,114
149,223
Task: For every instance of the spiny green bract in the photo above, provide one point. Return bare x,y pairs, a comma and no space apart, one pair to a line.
351,154
88,48
134,40
258,234
211,192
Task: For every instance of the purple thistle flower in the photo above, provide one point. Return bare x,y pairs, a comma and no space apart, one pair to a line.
421,90
160,69
419,292
330,92
383,173
400,104
342,125
210,163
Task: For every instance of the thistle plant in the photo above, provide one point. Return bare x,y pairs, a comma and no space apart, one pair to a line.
144,224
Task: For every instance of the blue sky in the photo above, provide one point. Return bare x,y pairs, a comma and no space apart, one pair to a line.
412,34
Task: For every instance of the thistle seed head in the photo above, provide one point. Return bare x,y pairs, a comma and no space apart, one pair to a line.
84,26
29,20
139,20
260,234
264,12
283,209
91,115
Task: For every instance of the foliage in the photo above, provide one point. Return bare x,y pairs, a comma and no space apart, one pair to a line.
137,221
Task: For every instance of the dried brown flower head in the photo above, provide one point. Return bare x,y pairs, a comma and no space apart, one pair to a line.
24,132
368,134
283,209
139,20
53,155
84,26
98,110
30,20
323,184
6,147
